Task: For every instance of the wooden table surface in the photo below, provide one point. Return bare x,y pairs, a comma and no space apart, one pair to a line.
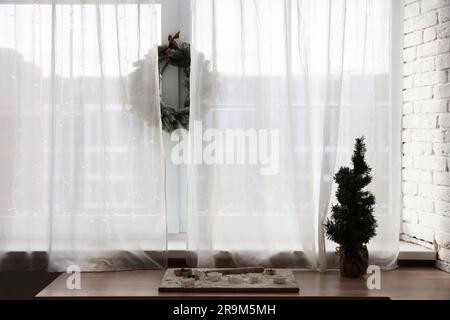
402,283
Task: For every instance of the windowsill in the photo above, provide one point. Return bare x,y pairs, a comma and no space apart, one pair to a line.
412,251
177,245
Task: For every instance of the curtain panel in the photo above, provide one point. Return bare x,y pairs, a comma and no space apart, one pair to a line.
82,175
318,72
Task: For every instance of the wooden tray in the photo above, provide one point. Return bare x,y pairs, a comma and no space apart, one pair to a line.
171,283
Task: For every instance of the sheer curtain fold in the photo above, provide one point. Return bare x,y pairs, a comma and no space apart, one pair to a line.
319,72
83,175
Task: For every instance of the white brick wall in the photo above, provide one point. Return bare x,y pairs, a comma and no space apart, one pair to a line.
426,125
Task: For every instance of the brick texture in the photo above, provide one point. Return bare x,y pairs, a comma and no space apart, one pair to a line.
426,126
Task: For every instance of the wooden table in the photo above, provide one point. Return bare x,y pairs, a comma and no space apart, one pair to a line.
403,283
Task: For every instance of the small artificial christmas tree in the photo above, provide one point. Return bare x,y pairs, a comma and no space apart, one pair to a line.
352,223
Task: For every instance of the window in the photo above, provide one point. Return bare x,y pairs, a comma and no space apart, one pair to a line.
63,95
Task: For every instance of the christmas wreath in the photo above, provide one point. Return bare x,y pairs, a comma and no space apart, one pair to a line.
171,54
178,55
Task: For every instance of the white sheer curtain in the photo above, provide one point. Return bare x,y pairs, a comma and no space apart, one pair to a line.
319,71
82,176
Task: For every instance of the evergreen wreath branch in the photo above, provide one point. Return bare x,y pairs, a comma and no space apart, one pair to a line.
178,55
170,54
